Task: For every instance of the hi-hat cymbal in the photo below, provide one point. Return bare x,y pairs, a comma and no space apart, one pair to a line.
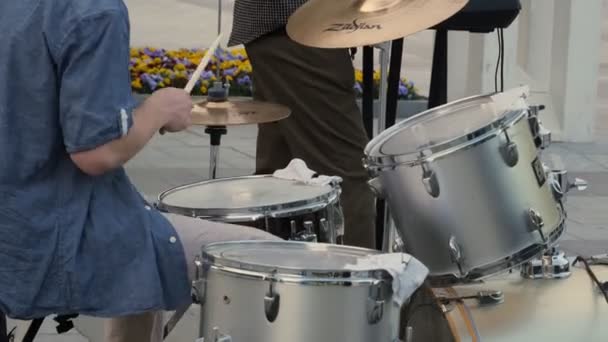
237,111
353,23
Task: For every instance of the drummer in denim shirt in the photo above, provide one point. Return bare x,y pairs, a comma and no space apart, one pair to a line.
75,235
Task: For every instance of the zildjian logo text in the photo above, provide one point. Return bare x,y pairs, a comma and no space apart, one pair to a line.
352,27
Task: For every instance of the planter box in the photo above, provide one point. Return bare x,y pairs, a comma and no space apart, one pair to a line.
405,108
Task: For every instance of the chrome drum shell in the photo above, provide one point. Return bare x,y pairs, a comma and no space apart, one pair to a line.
466,209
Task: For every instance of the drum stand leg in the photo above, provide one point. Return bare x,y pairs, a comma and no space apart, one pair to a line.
391,54
215,135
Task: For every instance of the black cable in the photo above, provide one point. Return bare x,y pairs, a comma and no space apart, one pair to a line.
497,63
592,276
502,60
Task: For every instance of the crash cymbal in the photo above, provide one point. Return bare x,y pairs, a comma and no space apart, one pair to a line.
237,111
353,23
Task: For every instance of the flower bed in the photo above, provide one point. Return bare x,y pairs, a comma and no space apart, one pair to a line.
152,69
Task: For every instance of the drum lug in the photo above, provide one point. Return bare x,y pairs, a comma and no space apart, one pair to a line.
456,254
430,181
409,335
308,235
326,231
510,152
219,337
377,188
537,223
375,303
542,136
272,302
199,284
562,185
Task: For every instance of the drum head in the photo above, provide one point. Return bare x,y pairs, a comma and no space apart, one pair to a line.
283,258
244,193
432,130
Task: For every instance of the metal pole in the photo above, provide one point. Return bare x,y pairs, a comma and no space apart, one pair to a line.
215,155
219,17
385,53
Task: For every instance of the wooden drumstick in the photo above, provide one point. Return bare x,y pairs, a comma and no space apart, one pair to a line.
200,68
203,64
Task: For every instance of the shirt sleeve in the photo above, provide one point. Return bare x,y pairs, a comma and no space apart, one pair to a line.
95,97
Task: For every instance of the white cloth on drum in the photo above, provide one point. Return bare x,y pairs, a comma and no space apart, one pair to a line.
297,170
408,272
511,100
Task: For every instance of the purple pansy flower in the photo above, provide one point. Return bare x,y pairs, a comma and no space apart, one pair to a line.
229,72
149,81
358,88
244,81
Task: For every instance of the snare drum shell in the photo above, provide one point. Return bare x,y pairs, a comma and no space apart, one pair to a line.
483,204
234,304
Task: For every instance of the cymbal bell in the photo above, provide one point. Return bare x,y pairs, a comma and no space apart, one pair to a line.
237,111
353,23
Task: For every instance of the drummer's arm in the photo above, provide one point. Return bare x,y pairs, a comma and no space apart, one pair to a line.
101,127
146,122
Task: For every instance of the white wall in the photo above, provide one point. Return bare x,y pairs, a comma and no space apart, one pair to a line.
554,47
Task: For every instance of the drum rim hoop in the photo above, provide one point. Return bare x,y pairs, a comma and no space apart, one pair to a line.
508,119
293,275
251,213
489,270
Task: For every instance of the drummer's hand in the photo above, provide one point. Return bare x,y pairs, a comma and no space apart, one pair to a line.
174,106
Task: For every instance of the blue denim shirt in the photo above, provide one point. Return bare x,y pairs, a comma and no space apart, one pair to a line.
70,242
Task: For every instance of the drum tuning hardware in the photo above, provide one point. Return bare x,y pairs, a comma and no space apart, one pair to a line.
308,235
272,301
294,229
537,223
199,283
456,254
375,303
219,337
376,187
326,231
409,334
510,152
562,184
484,298
553,264
430,181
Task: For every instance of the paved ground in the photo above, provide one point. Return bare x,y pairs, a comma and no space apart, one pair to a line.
177,159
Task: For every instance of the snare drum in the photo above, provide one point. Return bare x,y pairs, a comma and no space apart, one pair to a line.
293,291
467,189
288,209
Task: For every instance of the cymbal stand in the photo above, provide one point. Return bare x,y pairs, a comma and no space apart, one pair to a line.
390,54
215,137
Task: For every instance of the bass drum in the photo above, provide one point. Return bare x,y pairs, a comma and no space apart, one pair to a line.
570,309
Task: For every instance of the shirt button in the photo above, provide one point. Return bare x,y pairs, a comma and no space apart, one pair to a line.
173,239
148,208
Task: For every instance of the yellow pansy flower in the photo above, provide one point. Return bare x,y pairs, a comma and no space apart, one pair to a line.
136,84
358,75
